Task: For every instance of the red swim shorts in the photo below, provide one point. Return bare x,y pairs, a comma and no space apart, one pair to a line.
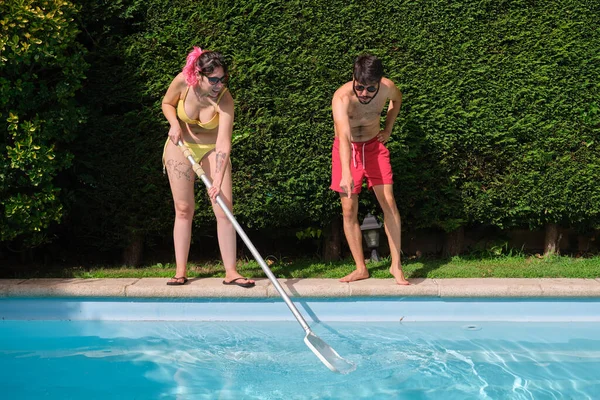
369,160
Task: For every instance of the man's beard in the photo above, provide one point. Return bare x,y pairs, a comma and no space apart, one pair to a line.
367,101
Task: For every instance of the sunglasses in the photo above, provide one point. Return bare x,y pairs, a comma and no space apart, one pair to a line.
213,80
370,89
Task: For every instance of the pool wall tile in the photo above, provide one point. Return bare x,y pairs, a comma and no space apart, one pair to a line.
94,287
214,288
7,284
310,288
570,287
206,287
37,287
71,287
490,287
388,287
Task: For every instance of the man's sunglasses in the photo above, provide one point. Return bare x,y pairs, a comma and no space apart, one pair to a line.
213,80
370,89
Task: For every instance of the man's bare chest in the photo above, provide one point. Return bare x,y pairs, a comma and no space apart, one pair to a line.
364,115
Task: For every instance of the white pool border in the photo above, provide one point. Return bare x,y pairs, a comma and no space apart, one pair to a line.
319,300
214,288
314,310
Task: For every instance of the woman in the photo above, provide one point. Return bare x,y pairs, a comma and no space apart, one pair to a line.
199,109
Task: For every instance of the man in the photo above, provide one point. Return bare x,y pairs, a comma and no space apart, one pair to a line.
359,152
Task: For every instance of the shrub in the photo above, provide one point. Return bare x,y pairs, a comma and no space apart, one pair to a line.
41,70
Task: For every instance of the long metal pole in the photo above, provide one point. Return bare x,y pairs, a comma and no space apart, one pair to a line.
200,172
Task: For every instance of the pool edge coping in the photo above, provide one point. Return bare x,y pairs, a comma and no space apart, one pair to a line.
214,288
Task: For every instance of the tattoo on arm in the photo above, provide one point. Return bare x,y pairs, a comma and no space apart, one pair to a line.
220,157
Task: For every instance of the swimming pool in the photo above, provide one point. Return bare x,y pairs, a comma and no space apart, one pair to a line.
252,349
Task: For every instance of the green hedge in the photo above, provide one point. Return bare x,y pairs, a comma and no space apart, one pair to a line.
41,69
488,87
118,194
539,169
499,123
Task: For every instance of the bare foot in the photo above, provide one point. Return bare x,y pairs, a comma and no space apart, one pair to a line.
355,275
399,275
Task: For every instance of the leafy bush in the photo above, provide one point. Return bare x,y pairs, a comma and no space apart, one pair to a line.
41,70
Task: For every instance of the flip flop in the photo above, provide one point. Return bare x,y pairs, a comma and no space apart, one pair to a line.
178,281
244,285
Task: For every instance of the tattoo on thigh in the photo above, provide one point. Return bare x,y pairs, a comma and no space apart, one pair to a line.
179,170
220,159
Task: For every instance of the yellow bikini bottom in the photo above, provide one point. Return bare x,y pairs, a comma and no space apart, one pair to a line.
199,151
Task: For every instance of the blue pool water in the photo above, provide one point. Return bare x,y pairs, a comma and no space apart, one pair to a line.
96,357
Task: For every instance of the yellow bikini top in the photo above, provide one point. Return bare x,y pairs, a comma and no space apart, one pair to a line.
212,124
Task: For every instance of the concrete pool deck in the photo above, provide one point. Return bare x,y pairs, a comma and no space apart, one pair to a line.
214,288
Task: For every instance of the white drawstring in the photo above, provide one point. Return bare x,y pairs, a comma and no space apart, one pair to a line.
354,155
364,161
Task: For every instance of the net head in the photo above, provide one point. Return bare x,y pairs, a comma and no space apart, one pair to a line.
328,355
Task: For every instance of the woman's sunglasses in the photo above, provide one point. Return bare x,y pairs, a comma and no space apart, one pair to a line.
213,80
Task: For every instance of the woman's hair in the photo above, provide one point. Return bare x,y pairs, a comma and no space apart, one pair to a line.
203,62
367,69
